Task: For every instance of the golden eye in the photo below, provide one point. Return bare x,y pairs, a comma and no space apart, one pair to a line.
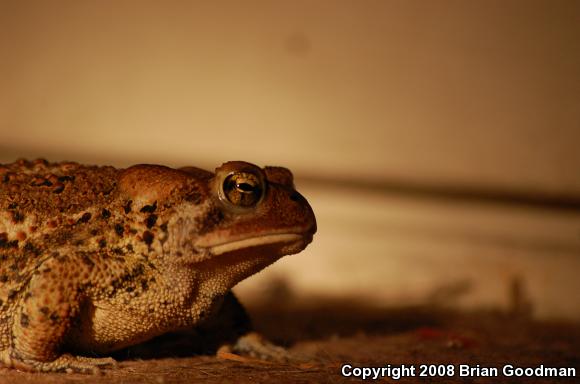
243,189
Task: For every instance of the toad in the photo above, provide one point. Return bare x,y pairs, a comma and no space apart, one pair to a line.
94,259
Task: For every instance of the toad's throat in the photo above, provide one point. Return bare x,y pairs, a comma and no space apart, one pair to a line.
280,238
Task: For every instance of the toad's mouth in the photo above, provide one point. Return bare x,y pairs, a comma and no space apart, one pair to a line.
287,243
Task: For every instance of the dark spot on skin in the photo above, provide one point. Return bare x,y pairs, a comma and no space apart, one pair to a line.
178,254
17,217
87,260
144,285
64,179
12,294
3,278
40,181
27,296
54,318
150,221
213,218
29,247
105,213
44,311
102,243
119,229
46,270
129,289
1,302
3,239
149,208
163,227
85,217
150,265
94,232
24,320
127,207
193,197
118,251
121,281
129,247
58,188
13,244
138,271
13,267
148,237
12,206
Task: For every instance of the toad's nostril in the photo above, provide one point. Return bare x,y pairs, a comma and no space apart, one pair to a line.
295,196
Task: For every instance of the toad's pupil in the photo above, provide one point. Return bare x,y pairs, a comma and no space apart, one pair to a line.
245,187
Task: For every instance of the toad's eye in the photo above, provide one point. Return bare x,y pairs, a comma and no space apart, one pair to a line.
242,189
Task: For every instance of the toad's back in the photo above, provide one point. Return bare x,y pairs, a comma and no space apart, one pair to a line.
48,189
41,204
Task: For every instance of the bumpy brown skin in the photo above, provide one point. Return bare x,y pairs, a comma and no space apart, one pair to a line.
95,259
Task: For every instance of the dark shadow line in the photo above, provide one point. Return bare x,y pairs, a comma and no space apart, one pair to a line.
560,201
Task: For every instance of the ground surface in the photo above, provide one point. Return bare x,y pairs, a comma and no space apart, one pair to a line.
324,336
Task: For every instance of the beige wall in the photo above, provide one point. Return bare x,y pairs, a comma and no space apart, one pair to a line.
466,93
459,91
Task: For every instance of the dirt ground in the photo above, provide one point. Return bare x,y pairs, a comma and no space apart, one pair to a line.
322,336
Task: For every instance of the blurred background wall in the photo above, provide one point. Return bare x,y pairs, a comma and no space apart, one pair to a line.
438,142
